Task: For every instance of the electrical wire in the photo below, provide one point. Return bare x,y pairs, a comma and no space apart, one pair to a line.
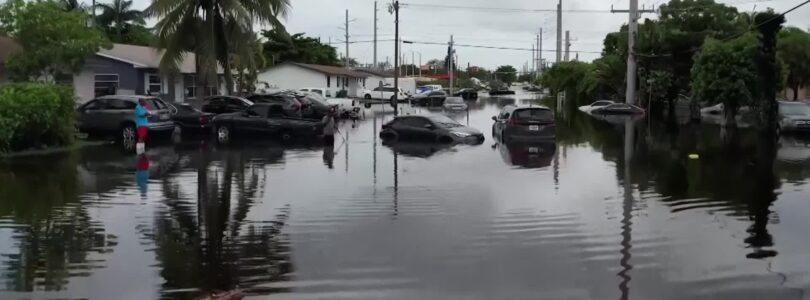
498,47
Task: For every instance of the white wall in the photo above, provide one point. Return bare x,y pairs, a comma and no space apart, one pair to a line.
293,77
408,85
84,85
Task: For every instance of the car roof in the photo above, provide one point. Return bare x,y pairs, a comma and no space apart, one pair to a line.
128,97
524,106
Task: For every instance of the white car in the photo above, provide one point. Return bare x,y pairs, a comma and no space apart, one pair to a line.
597,104
319,91
454,103
384,93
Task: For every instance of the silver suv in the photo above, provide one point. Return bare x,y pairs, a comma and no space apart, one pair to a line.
115,114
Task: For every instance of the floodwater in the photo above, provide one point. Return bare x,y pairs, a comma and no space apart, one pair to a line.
615,209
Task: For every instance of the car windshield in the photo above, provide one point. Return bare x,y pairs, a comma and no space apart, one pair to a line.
601,103
454,100
794,109
315,98
533,114
444,121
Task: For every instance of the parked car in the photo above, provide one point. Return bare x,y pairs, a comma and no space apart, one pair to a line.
436,128
188,119
467,94
532,122
501,91
320,91
794,116
115,114
264,119
292,107
618,109
595,104
533,154
385,93
433,98
454,103
313,105
224,104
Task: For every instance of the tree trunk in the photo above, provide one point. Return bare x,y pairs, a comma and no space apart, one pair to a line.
795,92
224,58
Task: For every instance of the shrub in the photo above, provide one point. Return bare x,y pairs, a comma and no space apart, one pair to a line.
35,115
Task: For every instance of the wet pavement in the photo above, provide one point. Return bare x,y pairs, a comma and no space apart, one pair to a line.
615,209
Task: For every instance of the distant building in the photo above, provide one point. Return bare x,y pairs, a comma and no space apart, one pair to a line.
291,75
375,78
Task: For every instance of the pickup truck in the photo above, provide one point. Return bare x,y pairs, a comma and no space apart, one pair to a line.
263,119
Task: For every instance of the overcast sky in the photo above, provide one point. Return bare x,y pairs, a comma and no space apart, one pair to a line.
513,29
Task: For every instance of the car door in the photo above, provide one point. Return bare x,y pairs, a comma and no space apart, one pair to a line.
117,112
254,119
90,115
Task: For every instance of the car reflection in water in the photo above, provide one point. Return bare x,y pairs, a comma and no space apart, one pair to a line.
530,155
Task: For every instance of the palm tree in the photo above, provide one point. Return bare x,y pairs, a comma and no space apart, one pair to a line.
204,27
119,13
70,5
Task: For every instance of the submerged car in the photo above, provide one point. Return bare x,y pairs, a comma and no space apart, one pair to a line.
264,119
595,104
115,114
225,104
455,103
535,154
794,116
188,119
434,128
618,109
501,91
533,122
466,94
432,98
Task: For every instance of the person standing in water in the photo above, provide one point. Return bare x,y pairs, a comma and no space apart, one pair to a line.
329,128
141,123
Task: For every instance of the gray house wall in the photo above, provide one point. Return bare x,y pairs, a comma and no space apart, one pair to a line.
127,74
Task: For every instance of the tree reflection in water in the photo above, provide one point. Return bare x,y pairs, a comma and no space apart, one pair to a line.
59,235
208,245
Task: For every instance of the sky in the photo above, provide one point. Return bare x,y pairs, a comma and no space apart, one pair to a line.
420,22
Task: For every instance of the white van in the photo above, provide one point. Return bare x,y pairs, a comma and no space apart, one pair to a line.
320,91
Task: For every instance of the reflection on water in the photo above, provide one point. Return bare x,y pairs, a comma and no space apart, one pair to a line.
613,209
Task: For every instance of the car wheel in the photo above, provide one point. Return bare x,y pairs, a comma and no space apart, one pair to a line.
286,136
389,135
367,105
444,139
128,136
367,97
223,134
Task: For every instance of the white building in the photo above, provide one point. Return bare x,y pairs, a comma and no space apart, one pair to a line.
293,76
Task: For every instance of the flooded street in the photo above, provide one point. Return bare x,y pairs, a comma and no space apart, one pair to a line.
615,209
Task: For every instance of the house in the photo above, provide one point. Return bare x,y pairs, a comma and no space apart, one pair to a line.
375,78
7,47
133,70
291,75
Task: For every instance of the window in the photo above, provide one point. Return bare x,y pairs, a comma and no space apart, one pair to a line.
534,115
236,102
328,81
318,91
345,81
190,84
106,84
120,104
94,105
154,85
257,111
414,122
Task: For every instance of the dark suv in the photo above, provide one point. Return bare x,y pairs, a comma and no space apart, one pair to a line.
115,114
292,107
225,104
524,123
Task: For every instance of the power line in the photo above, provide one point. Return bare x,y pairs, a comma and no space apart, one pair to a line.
497,47
500,9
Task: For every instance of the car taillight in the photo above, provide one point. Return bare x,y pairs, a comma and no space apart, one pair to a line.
203,120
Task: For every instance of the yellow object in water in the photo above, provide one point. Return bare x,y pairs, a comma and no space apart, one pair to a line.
694,156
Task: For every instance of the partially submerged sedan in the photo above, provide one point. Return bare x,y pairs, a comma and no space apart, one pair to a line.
794,116
432,128
264,119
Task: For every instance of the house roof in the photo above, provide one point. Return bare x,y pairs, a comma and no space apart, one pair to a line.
7,47
382,74
331,70
147,57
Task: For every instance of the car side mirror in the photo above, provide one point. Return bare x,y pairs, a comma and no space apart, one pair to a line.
429,126
494,118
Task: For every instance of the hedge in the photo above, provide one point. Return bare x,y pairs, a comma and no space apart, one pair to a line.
35,115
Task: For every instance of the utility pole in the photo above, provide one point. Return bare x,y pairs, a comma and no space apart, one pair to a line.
567,44
632,32
346,65
559,30
533,64
540,53
394,8
375,36
420,64
450,53
413,63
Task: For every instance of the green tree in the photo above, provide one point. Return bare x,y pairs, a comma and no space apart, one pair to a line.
577,79
117,15
794,50
208,28
54,41
507,74
282,47
724,72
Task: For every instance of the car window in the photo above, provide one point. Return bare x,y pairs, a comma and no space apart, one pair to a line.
152,104
794,109
95,105
600,103
213,101
534,114
317,91
414,122
237,102
120,104
275,111
437,94
257,110
377,89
